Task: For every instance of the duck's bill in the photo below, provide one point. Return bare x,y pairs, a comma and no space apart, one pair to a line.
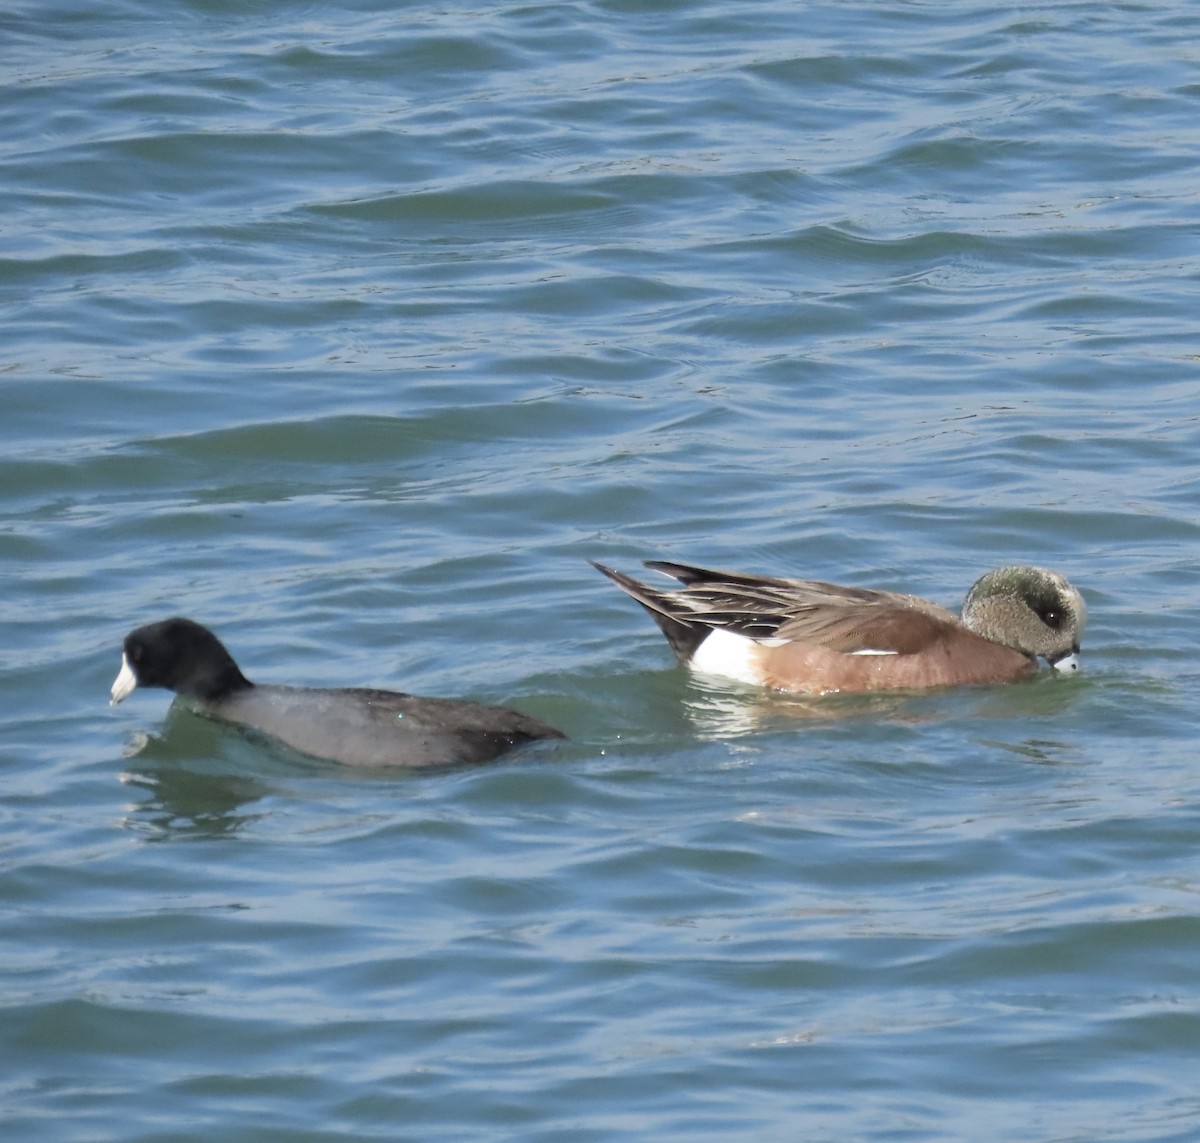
1068,664
125,684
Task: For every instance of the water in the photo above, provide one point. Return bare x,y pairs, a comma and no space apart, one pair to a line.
355,331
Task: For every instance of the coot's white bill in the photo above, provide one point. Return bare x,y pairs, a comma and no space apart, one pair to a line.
125,684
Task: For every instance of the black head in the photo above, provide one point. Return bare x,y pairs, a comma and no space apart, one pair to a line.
182,656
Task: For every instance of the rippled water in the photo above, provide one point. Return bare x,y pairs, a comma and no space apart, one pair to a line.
354,331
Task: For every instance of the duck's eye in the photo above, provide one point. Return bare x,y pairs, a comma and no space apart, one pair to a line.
1051,618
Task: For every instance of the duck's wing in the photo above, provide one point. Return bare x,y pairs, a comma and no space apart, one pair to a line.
883,627
849,620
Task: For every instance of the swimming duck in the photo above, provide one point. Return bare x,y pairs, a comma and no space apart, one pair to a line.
817,638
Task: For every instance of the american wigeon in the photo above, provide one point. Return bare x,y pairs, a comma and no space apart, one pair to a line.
355,726
817,638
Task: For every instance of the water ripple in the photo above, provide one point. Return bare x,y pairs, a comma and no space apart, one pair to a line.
357,332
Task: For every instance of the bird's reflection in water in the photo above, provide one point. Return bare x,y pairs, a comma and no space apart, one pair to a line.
184,804
185,775
718,709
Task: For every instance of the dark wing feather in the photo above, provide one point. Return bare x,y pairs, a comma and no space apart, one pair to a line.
689,575
843,619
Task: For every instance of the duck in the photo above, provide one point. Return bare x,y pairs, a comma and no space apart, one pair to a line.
814,638
355,726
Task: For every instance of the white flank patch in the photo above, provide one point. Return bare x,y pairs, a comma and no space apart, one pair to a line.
125,683
729,655
870,651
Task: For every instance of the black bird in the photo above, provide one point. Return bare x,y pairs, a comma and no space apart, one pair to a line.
356,726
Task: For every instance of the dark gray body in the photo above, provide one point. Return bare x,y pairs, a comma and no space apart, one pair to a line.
356,726
364,727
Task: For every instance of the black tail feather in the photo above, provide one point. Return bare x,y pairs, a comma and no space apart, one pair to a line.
684,637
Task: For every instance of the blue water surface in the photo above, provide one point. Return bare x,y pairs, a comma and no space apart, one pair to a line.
354,330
